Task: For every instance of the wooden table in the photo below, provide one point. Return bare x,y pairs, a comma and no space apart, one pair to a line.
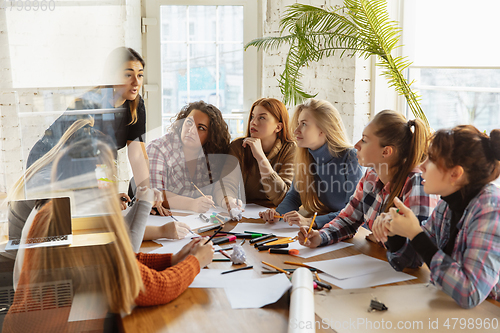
208,310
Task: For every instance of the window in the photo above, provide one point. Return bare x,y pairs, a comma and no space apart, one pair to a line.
455,62
201,57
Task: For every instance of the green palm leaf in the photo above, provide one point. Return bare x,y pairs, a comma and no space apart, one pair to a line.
360,27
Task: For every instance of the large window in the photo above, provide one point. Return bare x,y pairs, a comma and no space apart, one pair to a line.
200,53
456,67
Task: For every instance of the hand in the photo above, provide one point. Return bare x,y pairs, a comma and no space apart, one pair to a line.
202,204
256,147
203,252
157,201
184,252
174,230
233,203
313,238
124,199
269,216
380,227
294,217
404,223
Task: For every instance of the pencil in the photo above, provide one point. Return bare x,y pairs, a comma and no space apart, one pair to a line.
295,263
225,254
278,216
276,268
196,187
215,233
311,226
317,276
237,269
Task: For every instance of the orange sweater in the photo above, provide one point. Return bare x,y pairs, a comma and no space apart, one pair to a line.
163,282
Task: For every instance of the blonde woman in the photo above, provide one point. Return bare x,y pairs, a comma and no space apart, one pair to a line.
326,167
111,270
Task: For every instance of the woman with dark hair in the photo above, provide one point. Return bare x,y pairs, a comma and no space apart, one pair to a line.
265,156
460,242
186,156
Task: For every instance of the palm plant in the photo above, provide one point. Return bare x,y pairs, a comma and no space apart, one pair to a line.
360,27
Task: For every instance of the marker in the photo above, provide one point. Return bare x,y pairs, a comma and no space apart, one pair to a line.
292,252
258,239
221,240
221,259
237,269
224,249
264,242
204,218
323,285
201,230
276,246
215,233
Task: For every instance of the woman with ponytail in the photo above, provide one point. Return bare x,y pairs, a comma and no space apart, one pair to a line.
460,242
391,148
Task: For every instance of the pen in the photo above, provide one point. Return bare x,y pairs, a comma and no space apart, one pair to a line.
237,269
311,226
215,233
196,187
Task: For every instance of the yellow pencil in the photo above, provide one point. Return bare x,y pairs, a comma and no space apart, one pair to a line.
311,226
196,187
276,268
317,276
295,263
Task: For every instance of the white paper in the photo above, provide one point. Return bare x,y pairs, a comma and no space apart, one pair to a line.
255,293
305,252
170,245
212,278
252,211
351,266
193,221
368,280
158,221
280,228
207,213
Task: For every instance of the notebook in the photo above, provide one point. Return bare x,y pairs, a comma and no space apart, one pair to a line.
59,233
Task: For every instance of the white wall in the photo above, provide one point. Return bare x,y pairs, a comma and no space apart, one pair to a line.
345,82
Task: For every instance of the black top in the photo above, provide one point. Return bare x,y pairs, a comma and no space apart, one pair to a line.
110,127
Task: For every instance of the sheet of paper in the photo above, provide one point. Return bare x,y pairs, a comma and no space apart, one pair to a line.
212,278
193,221
252,211
305,252
351,266
255,293
280,228
158,221
170,245
208,213
368,280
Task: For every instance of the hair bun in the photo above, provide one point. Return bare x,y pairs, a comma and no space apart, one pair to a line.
495,143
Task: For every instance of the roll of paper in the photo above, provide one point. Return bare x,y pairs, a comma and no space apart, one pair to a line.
302,317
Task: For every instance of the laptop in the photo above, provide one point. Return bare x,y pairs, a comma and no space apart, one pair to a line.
59,233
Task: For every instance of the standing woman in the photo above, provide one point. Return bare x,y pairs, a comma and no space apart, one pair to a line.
124,68
265,156
326,167
187,156
392,148
460,242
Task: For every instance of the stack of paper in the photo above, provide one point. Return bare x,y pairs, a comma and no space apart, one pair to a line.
358,271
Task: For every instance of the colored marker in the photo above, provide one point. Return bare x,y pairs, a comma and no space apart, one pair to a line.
293,252
276,246
323,285
221,259
221,240
215,233
201,230
258,239
264,242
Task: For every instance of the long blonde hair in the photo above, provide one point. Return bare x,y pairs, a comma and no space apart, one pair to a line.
111,268
329,122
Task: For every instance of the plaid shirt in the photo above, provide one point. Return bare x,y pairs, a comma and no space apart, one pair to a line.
368,202
472,271
168,171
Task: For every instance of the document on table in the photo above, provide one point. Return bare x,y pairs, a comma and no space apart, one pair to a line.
252,211
279,228
212,278
368,280
193,221
351,266
305,252
255,293
170,245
